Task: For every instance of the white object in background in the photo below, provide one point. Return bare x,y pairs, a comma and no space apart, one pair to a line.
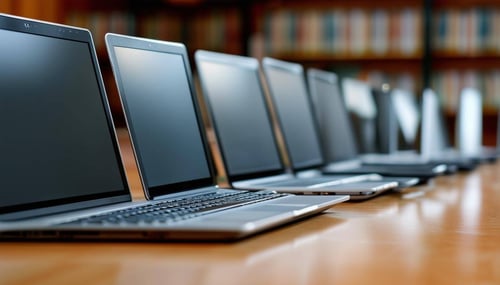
432,133
358,98
469,124
407,114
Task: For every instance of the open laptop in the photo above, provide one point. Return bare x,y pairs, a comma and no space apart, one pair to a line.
61,170
469,123
244,129
435,141
407,117
358,93
433,138
362,112
338,137
469,127
387,131
291,101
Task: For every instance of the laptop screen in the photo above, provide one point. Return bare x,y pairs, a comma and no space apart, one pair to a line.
57,144
358,98
336,129
387,124
433,138
157,95
289,93
408,116
469,122
234,93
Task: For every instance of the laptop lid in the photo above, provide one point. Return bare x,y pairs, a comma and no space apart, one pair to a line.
407,114
434,136
358,98
58,148
387,124
335,126
363,113
288,90
469,125
234,95
158,98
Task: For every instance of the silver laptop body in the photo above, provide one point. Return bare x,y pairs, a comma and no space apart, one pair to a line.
246,134
61,166
338,137
435,142
291,101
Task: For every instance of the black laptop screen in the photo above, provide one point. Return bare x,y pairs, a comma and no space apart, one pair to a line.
161,114
336,130
240,117
289,93
55,143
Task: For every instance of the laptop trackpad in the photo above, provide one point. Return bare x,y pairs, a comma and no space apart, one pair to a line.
256,213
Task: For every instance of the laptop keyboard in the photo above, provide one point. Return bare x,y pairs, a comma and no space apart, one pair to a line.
179,209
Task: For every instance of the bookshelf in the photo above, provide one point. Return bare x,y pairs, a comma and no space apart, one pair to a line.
48,10
444,44
380,42
198,24
466,53
213,25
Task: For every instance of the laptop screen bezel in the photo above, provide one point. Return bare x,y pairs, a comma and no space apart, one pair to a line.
57,31
116,40
293,69
245,63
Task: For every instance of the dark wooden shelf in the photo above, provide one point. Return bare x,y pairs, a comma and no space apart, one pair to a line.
324,4
455,61
462,4
392,64
343,57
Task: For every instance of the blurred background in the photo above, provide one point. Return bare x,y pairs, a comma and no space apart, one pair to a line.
413,44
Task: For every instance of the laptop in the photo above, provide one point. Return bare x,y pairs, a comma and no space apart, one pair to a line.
407,118
358,92
469,123
469,127
246,134
338,137
435,141
362,112
387,131
62,174
291,101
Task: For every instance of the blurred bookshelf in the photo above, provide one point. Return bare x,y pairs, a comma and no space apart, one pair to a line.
212,25
443,44
466,53
364,39
199,25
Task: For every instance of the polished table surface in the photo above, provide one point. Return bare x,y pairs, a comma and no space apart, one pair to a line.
446,232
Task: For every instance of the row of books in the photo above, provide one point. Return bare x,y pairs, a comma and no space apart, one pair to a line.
467,31
340,32
448,85
212,29
99,23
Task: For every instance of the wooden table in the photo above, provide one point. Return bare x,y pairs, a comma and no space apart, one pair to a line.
447,232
